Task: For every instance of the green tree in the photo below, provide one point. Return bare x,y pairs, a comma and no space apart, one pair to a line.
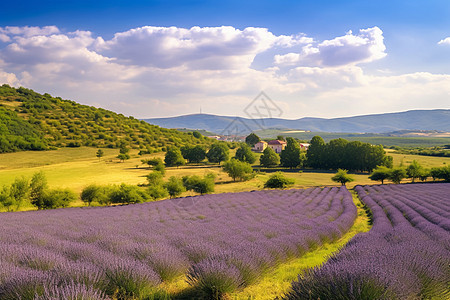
238,169
56,198
278,181
100,154
38,187
6,200
156,163
218,152
388,161
414,170
174,157
174,186
122,157
334,154
292,155
424,174
90,194
123,151
281,138
342,177
155,178
244,153
19,191
197,135
397,174
269,158
252,139
125,193
199,185
436,173
380,173
193,154
315,154
123,148
156,192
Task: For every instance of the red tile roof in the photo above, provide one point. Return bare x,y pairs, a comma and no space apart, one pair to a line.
277,142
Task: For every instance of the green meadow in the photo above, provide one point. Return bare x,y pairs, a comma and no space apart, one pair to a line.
76,168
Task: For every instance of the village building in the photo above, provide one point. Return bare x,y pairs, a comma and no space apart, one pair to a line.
277,145
260,146
304,146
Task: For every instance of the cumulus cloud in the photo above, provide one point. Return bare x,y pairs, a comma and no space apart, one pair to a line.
366,46
198,47
162,71
445,41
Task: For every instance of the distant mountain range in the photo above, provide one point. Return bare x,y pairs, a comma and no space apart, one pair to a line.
438,119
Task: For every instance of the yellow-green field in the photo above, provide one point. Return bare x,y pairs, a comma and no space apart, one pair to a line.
76,168
425,161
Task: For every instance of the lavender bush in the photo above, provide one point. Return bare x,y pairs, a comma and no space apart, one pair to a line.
220,242
406,254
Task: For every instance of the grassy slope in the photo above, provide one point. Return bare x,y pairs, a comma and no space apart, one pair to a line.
60,123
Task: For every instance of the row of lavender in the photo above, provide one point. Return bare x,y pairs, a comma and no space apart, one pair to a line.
221,242
406,255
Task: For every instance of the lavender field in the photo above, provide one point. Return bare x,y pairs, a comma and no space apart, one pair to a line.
220,243
406,254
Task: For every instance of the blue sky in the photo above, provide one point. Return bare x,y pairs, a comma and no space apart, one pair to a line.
166,58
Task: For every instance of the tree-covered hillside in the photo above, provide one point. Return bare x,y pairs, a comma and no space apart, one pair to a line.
31,121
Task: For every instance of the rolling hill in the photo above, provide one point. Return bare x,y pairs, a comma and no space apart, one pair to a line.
438,119
31,121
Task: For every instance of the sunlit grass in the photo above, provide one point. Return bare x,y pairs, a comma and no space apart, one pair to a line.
76,168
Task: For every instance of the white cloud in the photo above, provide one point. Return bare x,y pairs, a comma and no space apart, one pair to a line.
445,41
367,46
214,48
163,71
28,31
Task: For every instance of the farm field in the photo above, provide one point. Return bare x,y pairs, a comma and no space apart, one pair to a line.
76,168
406,254
425,161
221,243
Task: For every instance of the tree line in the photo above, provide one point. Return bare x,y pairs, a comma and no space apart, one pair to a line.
342,154
415,171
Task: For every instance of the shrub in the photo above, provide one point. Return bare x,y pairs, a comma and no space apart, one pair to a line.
174,186
278,181
156,192
155,178
128,194
57,198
